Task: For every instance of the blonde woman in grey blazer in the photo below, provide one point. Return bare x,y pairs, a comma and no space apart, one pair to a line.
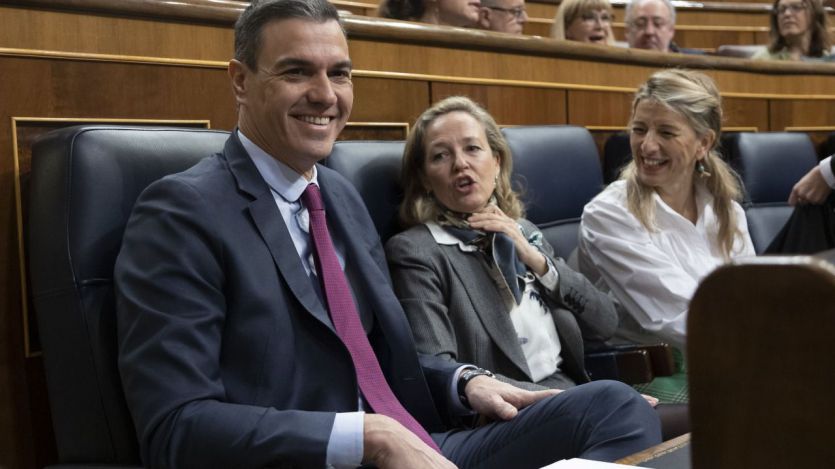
479,283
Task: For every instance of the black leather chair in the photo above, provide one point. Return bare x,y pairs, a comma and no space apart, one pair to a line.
616,153
84,183
373,167
827,148
557,171
770,163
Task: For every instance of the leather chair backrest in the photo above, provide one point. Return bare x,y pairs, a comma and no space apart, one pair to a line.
828,147
770,164
84,183
616,154
373,167
557,171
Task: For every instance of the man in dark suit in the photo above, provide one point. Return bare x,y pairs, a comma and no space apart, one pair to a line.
232,306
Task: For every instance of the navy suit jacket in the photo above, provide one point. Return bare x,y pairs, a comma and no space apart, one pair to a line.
227,354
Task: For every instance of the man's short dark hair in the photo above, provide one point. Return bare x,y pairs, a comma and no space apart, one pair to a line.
260,12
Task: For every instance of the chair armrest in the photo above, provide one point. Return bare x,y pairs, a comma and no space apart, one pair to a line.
629,366
660,359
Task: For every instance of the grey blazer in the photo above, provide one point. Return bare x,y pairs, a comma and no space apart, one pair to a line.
456,311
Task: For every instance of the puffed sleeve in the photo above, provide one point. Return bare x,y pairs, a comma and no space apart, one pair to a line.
617,249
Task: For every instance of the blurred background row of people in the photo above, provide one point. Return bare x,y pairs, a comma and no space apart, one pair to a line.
798,27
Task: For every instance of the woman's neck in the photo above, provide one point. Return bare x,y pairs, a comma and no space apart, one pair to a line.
682,202
798,46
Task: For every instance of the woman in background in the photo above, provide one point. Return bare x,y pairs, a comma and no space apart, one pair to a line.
799,31
462,13
584,21
671,219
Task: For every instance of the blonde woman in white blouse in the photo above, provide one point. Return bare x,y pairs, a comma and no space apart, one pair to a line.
670,220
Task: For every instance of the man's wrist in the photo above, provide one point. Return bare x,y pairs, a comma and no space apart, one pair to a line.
466,376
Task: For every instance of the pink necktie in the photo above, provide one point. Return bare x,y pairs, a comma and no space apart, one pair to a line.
347,323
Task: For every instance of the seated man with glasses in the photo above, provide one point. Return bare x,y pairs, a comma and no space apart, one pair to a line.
504,16
651,24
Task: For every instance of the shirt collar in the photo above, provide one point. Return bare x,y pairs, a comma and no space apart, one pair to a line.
282,179
703,200
445,238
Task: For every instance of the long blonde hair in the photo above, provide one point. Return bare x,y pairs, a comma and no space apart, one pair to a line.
418,205
694,96
569,10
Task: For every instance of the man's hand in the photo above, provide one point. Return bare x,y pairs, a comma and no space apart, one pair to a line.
811,189
501,401
388,445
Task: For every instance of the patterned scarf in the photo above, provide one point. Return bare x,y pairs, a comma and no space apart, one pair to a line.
498,247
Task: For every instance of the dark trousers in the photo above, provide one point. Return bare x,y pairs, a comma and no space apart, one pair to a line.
602,420
810,229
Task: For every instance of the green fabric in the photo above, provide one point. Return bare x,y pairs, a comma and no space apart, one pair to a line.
669,389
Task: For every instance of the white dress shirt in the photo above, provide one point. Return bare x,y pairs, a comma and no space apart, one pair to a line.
653,273
826,171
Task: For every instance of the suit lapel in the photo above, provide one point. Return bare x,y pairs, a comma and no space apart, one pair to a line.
487,302
270,225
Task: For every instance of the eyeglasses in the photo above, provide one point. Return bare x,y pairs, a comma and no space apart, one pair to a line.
517,12
591,17
795,8
644,22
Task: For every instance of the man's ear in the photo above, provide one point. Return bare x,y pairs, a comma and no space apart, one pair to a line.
238,73
484,18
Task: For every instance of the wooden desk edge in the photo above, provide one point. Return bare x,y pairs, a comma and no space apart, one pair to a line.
656,451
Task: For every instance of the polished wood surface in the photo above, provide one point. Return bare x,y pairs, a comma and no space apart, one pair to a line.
155,60
759,361
656,451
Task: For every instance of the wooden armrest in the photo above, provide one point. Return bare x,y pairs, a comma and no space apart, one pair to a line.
629,366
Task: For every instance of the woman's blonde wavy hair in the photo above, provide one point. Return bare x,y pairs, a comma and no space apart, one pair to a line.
694,96
419,206
569,10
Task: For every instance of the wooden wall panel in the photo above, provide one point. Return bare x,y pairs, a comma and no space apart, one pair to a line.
745,114
389,100
511,105
599,108
538,27
802,114
76,32
357,8
720,18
